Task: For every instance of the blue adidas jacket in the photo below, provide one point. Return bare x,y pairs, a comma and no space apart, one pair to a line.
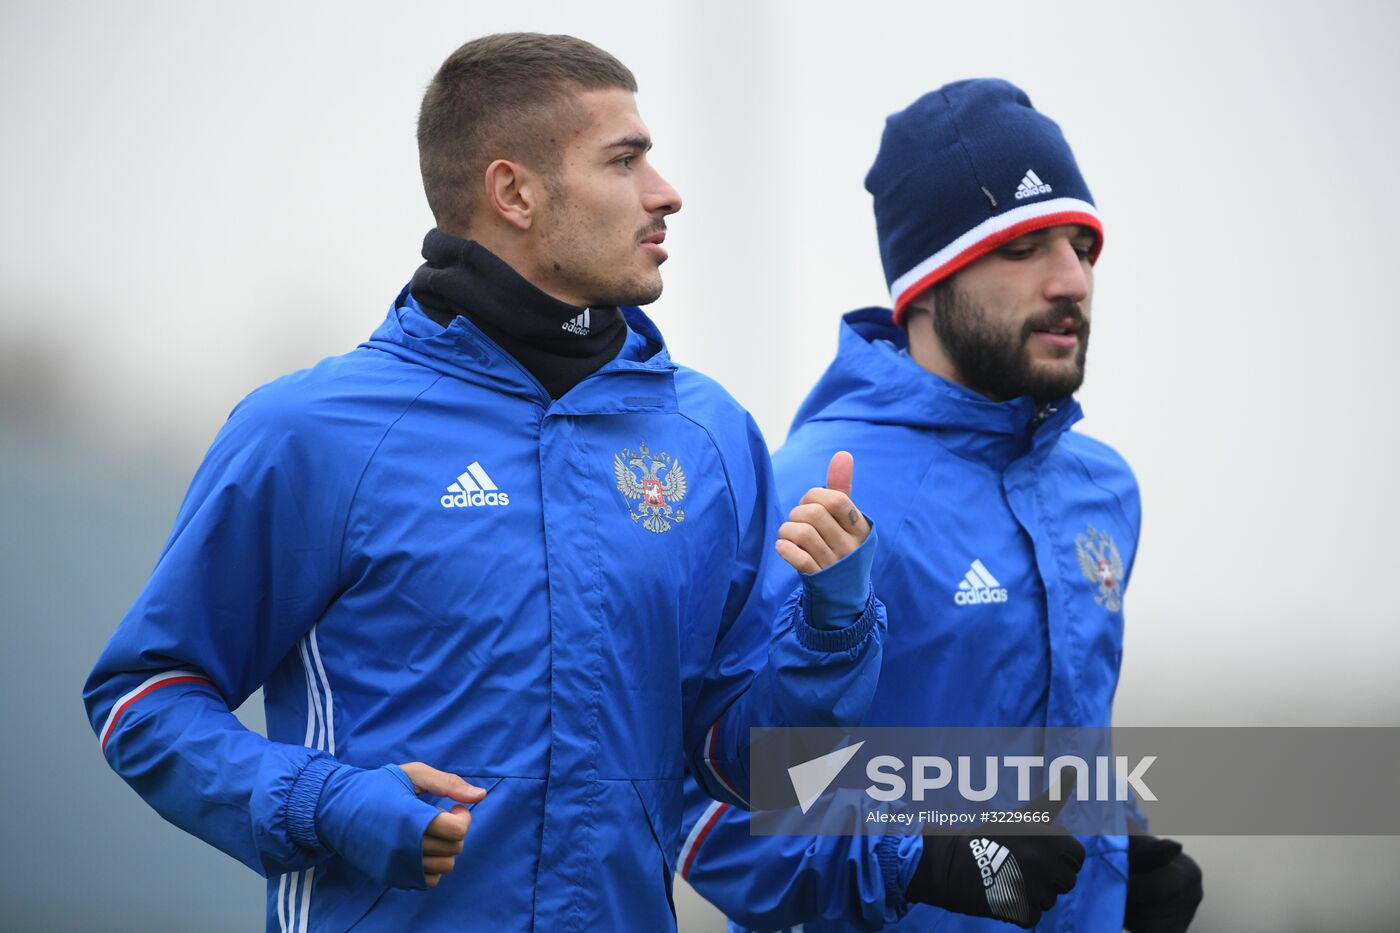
419,556
952,479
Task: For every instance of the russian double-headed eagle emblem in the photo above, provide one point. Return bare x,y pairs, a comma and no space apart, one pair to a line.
657,481
1100,563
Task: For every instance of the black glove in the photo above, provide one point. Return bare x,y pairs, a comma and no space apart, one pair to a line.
1011,878
1164,886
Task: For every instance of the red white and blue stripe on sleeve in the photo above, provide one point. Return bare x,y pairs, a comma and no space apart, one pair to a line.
713,768
155,682
698,832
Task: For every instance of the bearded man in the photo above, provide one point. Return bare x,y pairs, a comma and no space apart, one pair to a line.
1009,538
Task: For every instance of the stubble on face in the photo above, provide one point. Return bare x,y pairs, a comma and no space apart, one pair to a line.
577,254
995,359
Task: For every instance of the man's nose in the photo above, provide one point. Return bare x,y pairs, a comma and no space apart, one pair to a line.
661,198
1068,275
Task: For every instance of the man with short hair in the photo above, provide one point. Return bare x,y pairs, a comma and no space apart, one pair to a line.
507,541
1009,538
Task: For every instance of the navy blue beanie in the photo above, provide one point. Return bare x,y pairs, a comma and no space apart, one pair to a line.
963,170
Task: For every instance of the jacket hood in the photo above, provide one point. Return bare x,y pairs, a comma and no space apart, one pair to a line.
874,380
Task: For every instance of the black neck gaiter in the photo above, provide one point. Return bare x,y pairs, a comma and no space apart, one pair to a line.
558,343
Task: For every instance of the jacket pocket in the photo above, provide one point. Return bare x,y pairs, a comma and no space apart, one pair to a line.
663,802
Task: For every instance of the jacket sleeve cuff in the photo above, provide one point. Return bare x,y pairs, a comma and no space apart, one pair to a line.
898,858
840,593
828,640
303,800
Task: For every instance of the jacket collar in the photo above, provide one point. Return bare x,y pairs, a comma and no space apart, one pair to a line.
640,378
872,379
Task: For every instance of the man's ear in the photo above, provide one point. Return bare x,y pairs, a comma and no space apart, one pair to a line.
919,310
512,192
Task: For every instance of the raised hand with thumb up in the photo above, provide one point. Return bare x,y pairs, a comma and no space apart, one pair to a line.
820,534
826,525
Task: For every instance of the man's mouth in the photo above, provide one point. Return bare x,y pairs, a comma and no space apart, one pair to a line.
1060,332
651,243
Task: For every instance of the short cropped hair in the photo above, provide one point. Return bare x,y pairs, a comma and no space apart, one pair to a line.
502,96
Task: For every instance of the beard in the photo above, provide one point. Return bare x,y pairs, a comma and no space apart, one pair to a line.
994,359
